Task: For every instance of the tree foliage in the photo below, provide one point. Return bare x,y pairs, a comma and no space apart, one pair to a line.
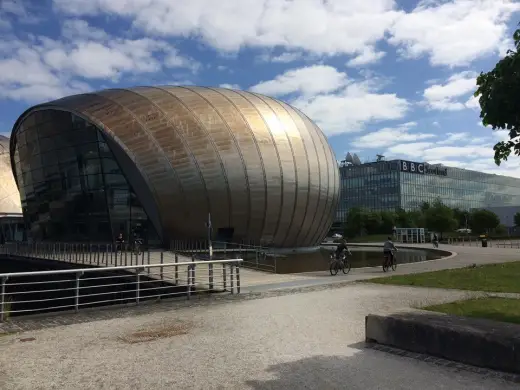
439,218
435,217
499,97
482,221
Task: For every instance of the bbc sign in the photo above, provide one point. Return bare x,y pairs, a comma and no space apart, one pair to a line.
422,168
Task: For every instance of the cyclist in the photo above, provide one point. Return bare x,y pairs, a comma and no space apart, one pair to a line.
342,247
119,242
388,248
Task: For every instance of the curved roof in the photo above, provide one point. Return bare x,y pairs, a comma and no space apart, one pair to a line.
256,163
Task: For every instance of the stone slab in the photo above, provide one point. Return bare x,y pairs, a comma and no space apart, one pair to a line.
478,342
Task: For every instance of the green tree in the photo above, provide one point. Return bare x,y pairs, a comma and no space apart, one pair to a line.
439,218
388,221
355,223
462,217
373,222
517,219
482,221
499,97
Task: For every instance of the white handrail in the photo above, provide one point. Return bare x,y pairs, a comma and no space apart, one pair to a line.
118,268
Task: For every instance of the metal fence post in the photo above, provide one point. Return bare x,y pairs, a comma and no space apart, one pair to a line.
176,270
138,285
237,273
231,281
76,298
148,259
210,272
162,262
2,299
224,274
188,291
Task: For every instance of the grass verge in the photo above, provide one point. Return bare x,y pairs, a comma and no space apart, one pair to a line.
492,308
502,277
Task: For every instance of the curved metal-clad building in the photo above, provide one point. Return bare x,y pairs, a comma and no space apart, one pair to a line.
9,195
163,158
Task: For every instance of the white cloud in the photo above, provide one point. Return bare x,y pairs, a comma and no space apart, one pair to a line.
450,32
446,97
80,29
332,27
453,33
368,56
451,138
230,86
41,68
337,104
390,136
283,58
310,80
430,151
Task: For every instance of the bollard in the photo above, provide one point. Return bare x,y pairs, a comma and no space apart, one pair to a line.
231,281
137,286
188,291
162,268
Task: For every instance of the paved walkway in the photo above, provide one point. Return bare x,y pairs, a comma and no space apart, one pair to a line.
299,341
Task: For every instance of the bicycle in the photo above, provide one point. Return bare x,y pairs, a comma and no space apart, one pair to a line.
389,262
137,247
336,265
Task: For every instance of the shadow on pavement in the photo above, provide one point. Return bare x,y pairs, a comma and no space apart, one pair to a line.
368,368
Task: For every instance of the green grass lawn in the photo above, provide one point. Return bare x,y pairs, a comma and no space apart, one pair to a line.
498,309
503,277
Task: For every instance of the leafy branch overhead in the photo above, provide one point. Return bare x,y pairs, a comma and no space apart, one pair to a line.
499,97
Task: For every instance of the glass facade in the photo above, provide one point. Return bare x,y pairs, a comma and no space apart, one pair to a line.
71,186
384,185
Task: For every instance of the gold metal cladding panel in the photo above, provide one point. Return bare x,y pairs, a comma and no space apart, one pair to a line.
208,161
314,187
186,217
250,154
335,196
324,182
331,194
169,189
269,154
222,140
168,133
117,123
326,185
281,144
307,213
297,154
309,165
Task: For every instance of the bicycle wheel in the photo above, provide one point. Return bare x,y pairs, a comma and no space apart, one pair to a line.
346,266
333,268
394,264
385,264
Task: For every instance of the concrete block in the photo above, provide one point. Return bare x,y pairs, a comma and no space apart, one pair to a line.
473,341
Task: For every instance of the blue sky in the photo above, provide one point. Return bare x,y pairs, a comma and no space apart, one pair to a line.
378,76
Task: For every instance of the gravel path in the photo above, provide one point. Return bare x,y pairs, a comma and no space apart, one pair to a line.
300,341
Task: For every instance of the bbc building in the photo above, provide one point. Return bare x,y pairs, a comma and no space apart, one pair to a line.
389,185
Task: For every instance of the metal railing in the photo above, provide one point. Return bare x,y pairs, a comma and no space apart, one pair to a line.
254,256
476,242
74,289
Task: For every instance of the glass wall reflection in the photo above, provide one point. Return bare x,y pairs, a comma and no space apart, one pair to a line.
382,186
71,186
